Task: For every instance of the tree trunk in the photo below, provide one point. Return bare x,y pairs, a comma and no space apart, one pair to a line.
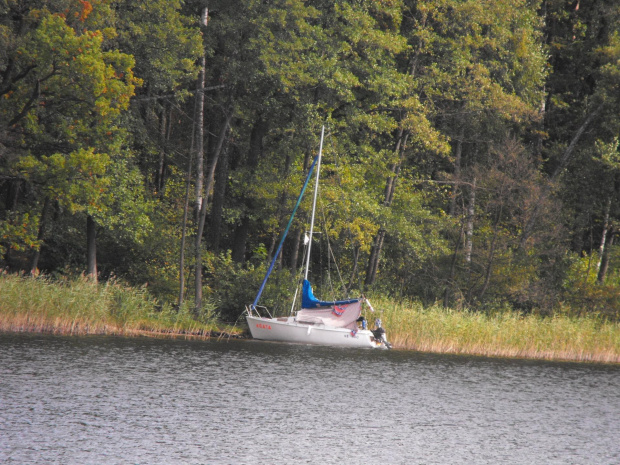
241,236
198,100
373,260
199,183
199,132
458,154
542,117
568,153
282,218
469,244
587,273
457,246
487,276
390,189
602,273
272,246
12,194
356,257
34,266
604,234
91,248
295,251
388,197
299,233
165,116
162,151
259,130
184,230
12,197
219,197
203,213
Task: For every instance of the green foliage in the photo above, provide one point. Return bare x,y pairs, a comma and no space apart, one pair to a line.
18,232
164,43
233,285
583,294
64,82
62,95
75,180
452,125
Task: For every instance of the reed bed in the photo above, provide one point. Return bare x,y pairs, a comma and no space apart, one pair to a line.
504,334
77,306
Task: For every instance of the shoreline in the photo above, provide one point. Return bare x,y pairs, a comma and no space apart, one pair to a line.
437,349
127,332
561,337
76,306
65,327
517,354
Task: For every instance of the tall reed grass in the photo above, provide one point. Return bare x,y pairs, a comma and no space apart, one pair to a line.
502,334
78,306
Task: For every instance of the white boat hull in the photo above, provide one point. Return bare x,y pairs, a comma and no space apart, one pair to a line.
289,330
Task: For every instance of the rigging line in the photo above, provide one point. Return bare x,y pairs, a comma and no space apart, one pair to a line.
288,226
337,175
299,281
333,256
329,262
316,191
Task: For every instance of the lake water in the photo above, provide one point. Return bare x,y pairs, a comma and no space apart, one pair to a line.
107,400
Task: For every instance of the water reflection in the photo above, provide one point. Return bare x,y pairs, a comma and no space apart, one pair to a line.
113,400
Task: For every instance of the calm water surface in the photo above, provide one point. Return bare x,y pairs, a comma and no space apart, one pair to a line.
96,400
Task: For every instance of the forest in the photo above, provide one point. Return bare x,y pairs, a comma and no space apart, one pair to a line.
471,159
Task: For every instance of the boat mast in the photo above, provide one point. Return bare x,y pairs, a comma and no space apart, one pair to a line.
316,191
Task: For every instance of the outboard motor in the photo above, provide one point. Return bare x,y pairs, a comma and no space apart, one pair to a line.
379,333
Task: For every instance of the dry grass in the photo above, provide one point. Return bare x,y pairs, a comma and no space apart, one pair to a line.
78,307
506,334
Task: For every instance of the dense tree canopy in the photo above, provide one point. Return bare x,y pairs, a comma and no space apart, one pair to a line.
472,152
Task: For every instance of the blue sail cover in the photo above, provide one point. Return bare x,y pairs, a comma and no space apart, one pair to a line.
309,301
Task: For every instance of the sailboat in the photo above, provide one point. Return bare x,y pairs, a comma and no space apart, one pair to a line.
331,323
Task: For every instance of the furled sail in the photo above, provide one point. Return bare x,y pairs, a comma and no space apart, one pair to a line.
336,316
309,301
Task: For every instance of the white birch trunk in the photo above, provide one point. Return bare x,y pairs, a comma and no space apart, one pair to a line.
604,235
